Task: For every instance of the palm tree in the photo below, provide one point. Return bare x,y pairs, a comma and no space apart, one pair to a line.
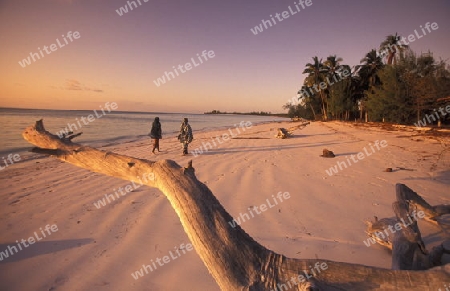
368,73
343,93
371,64
333,66
307,100
316,74
390,46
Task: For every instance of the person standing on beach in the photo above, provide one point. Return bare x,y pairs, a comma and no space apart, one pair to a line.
185,135
156,134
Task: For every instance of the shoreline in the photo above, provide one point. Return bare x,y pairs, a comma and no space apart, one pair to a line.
428,133
112,128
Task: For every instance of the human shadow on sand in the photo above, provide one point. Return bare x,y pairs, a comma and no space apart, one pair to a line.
38,248
345,154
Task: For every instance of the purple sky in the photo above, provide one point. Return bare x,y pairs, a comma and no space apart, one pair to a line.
117,58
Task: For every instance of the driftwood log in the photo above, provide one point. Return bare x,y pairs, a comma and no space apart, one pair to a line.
402,234
234,259
285,133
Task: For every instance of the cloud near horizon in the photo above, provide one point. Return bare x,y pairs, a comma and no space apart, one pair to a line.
76,85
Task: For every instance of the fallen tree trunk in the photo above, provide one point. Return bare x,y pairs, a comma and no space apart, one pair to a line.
234,259
402,234
285,133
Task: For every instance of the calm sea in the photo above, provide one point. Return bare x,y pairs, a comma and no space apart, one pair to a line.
112,127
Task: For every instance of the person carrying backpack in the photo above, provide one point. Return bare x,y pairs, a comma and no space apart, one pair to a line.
185,137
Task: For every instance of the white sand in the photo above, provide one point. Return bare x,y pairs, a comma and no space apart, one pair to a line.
98,249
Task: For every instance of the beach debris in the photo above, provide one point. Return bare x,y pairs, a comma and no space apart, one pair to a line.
397,169
285,133
327,154
70,136
298,119
401,234
189,168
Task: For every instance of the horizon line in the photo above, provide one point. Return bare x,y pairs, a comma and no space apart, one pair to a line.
146,112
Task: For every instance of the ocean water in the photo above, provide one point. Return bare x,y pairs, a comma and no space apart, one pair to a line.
109,127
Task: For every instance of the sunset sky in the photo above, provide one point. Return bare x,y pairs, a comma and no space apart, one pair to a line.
117,58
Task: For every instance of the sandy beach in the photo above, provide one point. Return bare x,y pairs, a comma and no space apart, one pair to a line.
80,244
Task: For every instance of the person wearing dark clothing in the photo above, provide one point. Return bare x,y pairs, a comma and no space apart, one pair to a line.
156,134
185,135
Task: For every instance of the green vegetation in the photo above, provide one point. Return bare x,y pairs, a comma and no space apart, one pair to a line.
403,89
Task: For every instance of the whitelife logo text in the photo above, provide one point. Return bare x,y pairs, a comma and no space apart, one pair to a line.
51,48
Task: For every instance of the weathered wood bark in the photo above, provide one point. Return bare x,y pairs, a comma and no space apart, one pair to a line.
234,259
285,133
402,234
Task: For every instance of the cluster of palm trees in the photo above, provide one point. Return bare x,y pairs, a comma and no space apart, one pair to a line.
371,89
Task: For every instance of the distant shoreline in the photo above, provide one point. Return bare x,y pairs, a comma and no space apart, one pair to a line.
261,113
158,112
